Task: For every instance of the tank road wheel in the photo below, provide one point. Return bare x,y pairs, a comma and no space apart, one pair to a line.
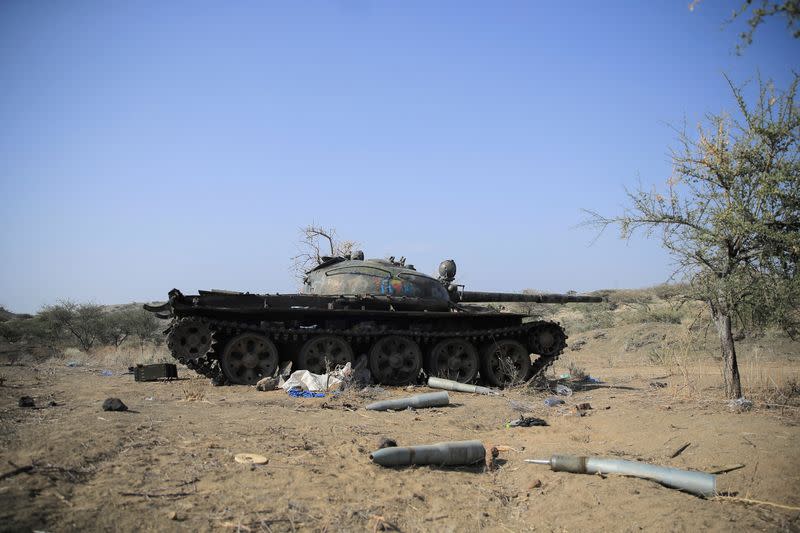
249,357
190,340
321,354
548,339
395,360
505,362
454,359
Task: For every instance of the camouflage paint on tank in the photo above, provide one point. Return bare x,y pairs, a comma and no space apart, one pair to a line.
374,277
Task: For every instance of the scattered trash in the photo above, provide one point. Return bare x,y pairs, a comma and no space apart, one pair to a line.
577,345
441,454
526,422
300,393
658,384
268,383
699,483
590,379
521,407
430,399
740,404
386,442
680,450
582,408
726,469
150,398
26,401
361,375
106,373
553,401
563,390
564,376
73,364
307,381
447,384
285,370
250,459
114,404
155,372
372,391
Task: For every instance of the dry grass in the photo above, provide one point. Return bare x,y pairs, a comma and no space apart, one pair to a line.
194,391
769,382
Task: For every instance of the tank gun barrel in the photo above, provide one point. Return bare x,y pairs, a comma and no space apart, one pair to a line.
476,296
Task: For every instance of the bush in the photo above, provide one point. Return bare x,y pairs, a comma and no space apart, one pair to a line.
593,316
36,330
661,315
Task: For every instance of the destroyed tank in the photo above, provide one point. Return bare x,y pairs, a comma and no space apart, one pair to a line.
404,321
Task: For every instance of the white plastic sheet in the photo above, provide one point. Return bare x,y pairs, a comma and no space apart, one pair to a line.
305,380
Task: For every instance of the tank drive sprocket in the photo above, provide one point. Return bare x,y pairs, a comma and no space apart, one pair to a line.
190,339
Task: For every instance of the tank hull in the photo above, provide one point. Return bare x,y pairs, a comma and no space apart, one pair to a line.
241,337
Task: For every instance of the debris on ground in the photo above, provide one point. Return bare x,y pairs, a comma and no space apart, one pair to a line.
680,450
373,391
386,442
26,401
658,384
106,373
418,401
73,364
577,345
562,390
250,459
447,384
155,372
441,454
526,422
268,383
553,401
740,404
585,406
308,381
361,375
697,483
300,393
521,407
114,404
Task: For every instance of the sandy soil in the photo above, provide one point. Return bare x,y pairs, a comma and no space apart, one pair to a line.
168,463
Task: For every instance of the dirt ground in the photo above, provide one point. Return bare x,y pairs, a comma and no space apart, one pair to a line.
167,464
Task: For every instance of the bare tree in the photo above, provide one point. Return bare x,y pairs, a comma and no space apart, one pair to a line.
316,243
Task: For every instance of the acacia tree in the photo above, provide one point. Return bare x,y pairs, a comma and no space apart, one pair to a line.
83,321
756,12
730,215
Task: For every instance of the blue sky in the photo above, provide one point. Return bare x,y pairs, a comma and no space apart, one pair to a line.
147,145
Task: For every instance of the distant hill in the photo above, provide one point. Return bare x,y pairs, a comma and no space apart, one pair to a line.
5,314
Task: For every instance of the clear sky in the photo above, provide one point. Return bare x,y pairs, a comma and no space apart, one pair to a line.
147,145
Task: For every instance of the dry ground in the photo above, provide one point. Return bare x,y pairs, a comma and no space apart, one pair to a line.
168,463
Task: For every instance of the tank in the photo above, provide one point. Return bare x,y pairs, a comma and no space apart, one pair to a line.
404,321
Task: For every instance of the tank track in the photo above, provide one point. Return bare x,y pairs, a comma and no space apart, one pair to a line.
208,364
